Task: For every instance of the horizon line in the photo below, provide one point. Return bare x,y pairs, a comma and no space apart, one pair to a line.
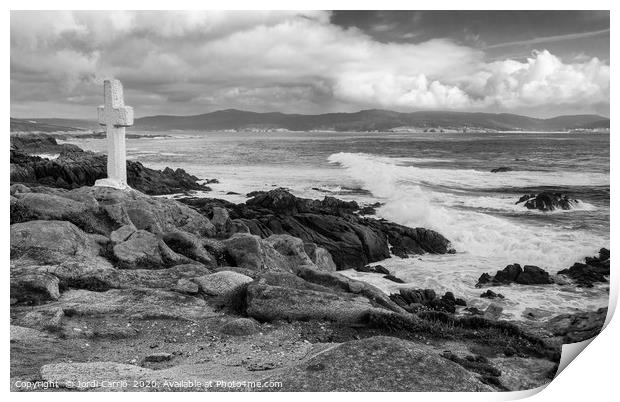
326,113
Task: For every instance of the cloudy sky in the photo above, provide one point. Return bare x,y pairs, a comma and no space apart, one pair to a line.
535,63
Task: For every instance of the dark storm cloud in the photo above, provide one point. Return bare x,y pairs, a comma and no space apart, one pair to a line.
310,62
490,29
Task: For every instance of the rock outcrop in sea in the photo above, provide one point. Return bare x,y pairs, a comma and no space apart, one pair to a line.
594,269
502,169
547,201
528,275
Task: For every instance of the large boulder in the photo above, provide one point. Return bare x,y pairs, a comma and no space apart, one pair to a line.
513,273
143,219
123,233
379,364
278,200
283,296
140,250
291,248
245,250
34,287
351,240
186,286
134,303
38,143
51,241
95,273
149,213
217,249
251,252
50,206
99,274
533,275
103,210
222,222
283,202
405,240
339,282
188,245
320,257
240,327
577,327
350,243
18,188
221,283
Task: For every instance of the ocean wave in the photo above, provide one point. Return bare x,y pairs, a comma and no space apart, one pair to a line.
468,178
411,203
412,160
505,203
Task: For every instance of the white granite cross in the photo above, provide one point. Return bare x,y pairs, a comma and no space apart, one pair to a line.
115,116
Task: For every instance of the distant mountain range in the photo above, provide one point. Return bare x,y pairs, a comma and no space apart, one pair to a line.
52,125
365,120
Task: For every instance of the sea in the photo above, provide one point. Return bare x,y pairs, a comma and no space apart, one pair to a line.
441,181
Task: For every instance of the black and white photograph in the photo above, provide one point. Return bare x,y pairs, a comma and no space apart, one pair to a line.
306,201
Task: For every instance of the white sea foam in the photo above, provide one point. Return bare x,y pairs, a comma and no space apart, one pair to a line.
484,242
476,234
459,274
502,203
464,178
47,156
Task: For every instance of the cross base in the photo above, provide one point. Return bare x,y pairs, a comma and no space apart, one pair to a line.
113,183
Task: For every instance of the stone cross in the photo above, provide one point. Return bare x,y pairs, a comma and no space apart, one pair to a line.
115,116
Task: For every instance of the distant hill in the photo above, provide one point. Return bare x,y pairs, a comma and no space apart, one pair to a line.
593,124
52,125
367,120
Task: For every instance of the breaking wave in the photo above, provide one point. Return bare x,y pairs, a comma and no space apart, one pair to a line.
468,178
429,197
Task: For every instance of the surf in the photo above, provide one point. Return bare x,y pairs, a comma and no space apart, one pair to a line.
412,197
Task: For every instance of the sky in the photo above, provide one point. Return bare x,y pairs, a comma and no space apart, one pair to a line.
536,63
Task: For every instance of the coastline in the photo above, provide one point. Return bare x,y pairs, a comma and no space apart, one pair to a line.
223,271
64,135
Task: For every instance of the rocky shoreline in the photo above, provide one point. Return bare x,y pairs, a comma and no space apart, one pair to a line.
73,168
197,293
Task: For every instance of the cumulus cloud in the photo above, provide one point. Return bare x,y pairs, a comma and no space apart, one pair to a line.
542,79
401,91
192,62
